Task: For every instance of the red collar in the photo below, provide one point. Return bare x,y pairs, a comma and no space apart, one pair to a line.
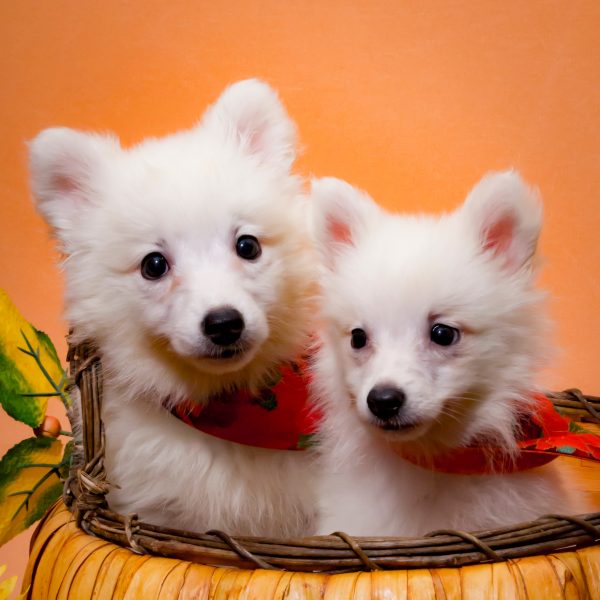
545,435
278,417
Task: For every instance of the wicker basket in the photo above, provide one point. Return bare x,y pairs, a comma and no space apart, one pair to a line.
83,550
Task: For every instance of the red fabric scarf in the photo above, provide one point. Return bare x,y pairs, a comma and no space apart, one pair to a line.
279,417
545,435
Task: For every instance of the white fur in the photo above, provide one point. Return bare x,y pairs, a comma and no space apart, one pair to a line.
189,196
395,276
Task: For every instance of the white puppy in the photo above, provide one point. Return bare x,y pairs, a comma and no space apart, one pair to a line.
187,262
432,334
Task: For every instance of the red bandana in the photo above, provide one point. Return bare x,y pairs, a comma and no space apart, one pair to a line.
545,435
278,417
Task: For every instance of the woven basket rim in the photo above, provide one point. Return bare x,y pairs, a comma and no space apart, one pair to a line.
87,486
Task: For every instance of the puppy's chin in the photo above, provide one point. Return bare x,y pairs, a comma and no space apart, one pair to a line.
210,360
219,360
448,428
396,431
429,435
224,361
426,437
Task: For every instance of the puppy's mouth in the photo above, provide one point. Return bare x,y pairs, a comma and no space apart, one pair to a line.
398,425
401,428
224,359
227,353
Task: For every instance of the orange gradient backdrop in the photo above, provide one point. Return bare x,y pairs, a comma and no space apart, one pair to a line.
411,100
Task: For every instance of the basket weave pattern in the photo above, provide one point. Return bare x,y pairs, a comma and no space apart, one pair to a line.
87,486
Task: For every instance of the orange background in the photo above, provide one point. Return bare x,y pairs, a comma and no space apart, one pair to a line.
411,100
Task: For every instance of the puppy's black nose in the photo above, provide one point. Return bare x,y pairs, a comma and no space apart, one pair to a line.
223,326
385,402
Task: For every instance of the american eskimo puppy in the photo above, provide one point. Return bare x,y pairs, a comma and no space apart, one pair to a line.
187,262
433,331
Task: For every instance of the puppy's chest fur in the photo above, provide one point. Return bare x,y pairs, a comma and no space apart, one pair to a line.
173,475
376,492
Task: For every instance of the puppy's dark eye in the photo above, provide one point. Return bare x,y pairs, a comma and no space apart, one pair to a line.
248,247
444,335
358,338
154,266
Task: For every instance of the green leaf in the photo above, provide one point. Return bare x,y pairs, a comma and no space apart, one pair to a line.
46,343
576,428
268,400
306,440
29,483
66,460
30,371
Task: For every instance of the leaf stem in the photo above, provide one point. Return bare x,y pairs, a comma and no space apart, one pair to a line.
32,491
35,354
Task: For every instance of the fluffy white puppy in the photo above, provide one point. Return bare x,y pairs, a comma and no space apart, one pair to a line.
187,262
433,331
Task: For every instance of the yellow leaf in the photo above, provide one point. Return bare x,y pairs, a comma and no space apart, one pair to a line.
21,376
29,483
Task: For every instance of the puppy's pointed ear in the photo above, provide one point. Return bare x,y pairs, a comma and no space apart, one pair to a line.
252,113
341,214
64,165
507,216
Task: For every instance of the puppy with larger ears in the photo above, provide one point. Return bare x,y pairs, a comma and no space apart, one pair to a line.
187,262
433,331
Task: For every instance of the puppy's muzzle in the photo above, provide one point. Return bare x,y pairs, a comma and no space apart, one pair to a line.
223,326
385,402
